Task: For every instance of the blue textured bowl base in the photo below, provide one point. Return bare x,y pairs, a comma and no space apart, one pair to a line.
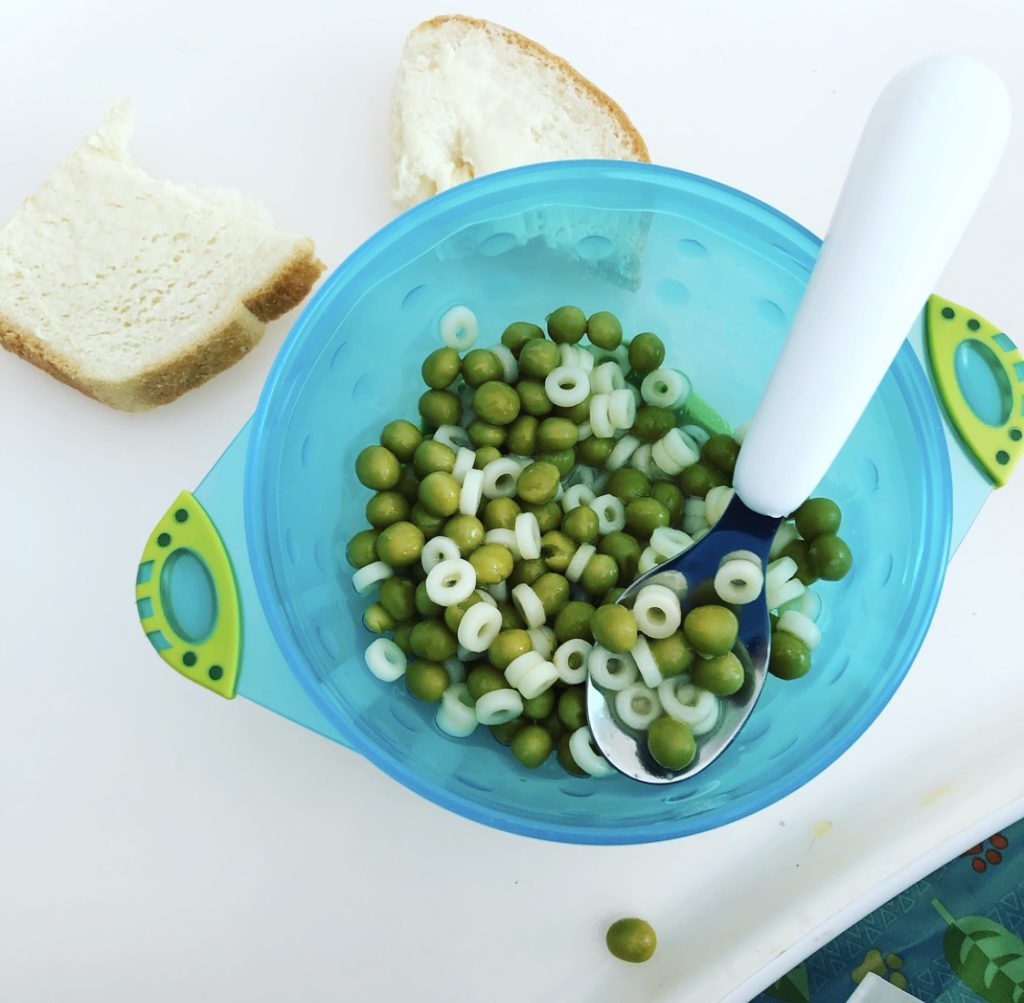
721,277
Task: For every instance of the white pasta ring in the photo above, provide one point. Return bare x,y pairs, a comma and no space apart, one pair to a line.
458,328
570,658
622,408
451,582
646,664
585,551
624,449
657,611
438,549
452,436
385,659
739,581
456,714
531,609
527,534
577,495
499,707
471,492
537,680
500,477
464,462
801,627
585,757
509,363
611,672
678,449
567,387
600,420
611,513
520,665
637,706
479,626
369,575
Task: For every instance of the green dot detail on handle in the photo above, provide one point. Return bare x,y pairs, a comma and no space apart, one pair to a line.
188,598
979,378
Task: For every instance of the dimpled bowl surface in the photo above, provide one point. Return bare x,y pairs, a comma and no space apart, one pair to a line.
718,275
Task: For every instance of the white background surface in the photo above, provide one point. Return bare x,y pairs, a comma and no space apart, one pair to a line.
159,844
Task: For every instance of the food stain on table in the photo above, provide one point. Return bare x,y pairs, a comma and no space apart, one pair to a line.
936,794
822,828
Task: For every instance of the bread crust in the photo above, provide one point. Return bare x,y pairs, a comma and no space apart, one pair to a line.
192,367
557,63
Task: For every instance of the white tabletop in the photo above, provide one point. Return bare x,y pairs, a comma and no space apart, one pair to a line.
159,844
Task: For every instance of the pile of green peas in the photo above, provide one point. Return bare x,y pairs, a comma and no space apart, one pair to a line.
418,499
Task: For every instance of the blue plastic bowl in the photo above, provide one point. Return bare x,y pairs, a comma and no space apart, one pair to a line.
717,274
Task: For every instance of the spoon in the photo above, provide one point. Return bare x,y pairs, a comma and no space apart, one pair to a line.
927,153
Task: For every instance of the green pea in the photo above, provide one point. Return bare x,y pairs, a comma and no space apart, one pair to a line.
800,551
440,368
652,423
818,516
453,614
612,596
398,597
789,657
386,507
644,516
614,628
485,679
378,620
432,640
720,452
711,630
698,479
557,433
538,358
401,637
646,353
671,743
704,595
426,681
722,675
631,940
507,647
467,531
626,552
565,760
522,435
408,485
439,494
431,455
516,335
628,484
557,550
830,557
552,725
599,575
492,563
538,708
563,460
482,433
595,452
485,455
604,330
504,733
567,325
527,572
576,413
552,591
500,513
533,398
572,706
671,497
581,524
401,437
425,606
538,483
377,468
400,544
440,407
362,548
425,521
531,746
549,515
510,618
673,654
574,621
480,365
496,403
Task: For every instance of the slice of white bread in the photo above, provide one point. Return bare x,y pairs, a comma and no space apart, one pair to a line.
473,97
134,290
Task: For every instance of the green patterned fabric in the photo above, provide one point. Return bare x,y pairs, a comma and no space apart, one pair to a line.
952,938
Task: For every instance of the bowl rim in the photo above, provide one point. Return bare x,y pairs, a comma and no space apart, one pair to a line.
911,381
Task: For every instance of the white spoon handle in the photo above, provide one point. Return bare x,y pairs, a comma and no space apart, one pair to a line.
926,156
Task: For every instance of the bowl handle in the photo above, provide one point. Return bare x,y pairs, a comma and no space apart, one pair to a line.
187,598
979,378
